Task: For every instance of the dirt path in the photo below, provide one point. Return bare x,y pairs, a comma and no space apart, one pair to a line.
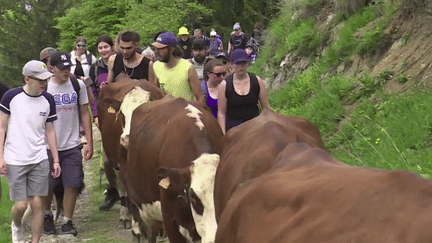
92,225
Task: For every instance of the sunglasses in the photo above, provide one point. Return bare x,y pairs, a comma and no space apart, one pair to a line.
219,75
81,46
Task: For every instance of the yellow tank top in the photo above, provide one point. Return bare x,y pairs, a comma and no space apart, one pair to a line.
175,81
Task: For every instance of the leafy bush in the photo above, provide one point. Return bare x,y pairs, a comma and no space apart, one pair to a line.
298,90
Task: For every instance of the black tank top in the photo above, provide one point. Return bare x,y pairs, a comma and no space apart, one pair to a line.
139,72
241,108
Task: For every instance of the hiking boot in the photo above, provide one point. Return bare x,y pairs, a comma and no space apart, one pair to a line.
111,198
68,229
17,234
48,225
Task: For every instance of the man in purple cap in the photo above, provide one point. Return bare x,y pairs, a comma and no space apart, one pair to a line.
28,113
70,111
174,74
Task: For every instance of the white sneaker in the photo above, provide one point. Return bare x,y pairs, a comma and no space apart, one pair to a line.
17,234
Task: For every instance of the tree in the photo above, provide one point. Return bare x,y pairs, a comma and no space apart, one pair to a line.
153,16
26,27
91,19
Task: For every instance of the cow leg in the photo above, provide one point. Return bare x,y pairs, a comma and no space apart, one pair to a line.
125,216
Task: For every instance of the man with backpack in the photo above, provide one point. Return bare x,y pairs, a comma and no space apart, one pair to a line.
70,97
238,39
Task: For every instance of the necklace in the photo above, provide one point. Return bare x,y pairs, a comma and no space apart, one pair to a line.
125,69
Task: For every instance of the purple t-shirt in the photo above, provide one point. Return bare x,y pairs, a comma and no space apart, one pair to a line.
214,46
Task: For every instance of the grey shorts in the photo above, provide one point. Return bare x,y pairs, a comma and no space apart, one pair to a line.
72,174
28,180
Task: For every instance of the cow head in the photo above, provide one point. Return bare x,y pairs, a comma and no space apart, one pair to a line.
203,171
131,101
173,184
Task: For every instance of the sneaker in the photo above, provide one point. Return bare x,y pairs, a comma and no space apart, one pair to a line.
68,229
48,226
17,234
112,196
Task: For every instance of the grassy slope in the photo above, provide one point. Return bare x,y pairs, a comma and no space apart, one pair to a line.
361,122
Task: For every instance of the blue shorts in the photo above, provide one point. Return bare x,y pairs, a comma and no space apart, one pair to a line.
72,174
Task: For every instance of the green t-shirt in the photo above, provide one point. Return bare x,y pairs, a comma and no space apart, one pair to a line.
175,81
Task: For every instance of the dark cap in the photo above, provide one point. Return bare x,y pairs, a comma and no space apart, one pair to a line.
47,52
199,44
239,55
60,60
223,55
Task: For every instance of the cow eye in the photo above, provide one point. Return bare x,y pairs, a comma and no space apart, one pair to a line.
196,202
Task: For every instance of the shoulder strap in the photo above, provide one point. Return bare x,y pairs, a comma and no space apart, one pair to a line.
76,87
204,88
96,73
89,59
229,83
254,82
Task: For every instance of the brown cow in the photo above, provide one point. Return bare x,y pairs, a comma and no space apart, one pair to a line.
308,196
167,137
248,151
115,105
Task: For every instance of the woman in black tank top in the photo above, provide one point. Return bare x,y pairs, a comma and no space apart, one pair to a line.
139,72
239,96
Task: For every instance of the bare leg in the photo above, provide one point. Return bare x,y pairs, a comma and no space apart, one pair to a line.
18,210
69,201
37,218
46,201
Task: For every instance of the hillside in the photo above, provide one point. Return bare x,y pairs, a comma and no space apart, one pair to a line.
360,70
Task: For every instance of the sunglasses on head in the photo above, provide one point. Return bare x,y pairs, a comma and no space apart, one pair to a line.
219,75
81,45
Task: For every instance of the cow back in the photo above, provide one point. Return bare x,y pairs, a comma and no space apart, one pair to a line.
307,196
250,149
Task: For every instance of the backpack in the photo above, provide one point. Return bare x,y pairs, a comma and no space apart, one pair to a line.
76,87
252,42
89,58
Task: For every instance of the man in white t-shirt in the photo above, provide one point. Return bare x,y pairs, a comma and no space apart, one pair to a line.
28,113
71,108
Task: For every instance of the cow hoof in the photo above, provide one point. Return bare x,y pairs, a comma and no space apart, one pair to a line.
127,224
138,238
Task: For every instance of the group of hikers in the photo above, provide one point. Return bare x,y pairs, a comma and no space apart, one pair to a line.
48,122
214,44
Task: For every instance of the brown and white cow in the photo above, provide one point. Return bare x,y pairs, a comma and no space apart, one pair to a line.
167,137
248,151
308,196
116,102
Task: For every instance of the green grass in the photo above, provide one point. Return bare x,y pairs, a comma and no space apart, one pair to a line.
5,212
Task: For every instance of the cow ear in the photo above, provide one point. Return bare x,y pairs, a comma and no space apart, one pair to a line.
162,172
163,177
116,105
